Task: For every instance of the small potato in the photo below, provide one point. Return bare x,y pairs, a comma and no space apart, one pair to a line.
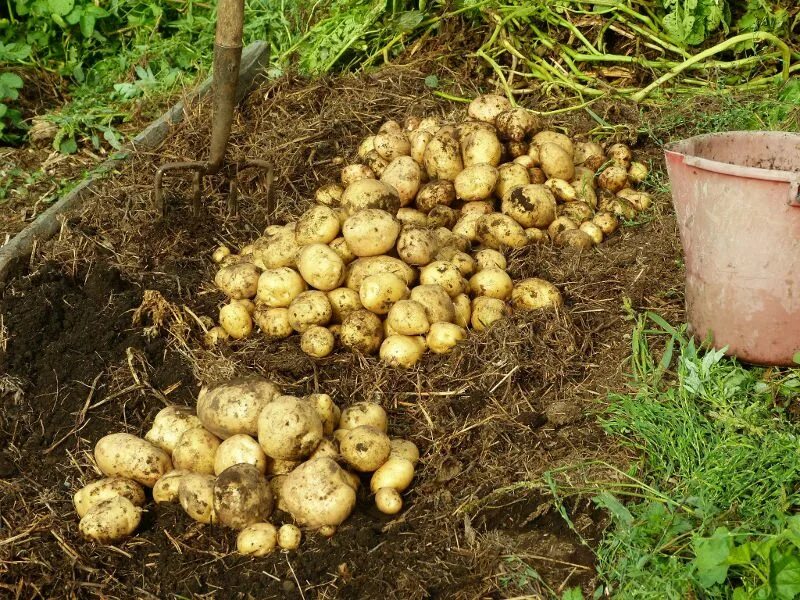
317,342
318,225
442,158
240,449
536,236
444,274
404,449
577,211
365,448
405,175
321,267
593,231
391,144
436,301
215,336
487,107
367,145
362,268
318,493
364,413
396,473
556,162
638,172
278,287
257,539
640,200
559,225
467,226
463,310
289,537
487,311
439,192
465,264
362,330
196,495
416,246
379,292
339,245
443,337
442,216
220,254
534,294
553,137
613,179
481,147
492,283
110,487
356,172
310,308
411,217
509,176
166,489
388,501
371,232
418,141
533,154
238,281
620,154
490,259
499,230
110,520
607,222
326,410
561,189
401,351
289,429
478,207
235,319
530,205
195,451
131,457
329,194
476,182
242,497
376,163
276,250
274,323
343,300
574,238
169,424
233,407
407,317
370,193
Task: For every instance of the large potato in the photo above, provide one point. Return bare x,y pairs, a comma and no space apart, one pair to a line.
442,158
238,281
365,448
516,123
487,107
240,449
556,162
289,428
553,137
131,457
481,147
329,194
405,175
364,413
417,246
242,497
309,308
436,301
362,330
110,487
443,337
233,407
493,283
444,274
476,182
391,144
407,317
169,424
278,287
499,231
196,496
276,249
439,192
274,323
318,494
530,205
343,300
111,520
195,451
370,193
371,232
318,225
379,292
534,294
509,176
487,311
321,267
236,320
401,350
362,268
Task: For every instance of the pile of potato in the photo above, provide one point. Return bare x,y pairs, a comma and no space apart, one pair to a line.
407,252
247,450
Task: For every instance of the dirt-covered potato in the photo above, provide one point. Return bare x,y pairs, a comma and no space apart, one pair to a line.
559,225
248,304
593,231
362,268
235,319
405,175
462,310
417,246
289,537
401,350
577,211
356,172
125,455
319,224
536,236
481,147
310,308
366,145
640,200
561,189
443,337
233,407
339,245
516,123
321,267
574,238
620,154
467,128
589,155
289,428
444,274
364,413
638,172
412,217
623,208
238,281
509,176
530,205
489,258
257,539
556,162
110,520
318,493
584,192
273,322
379,292
465,264
220,254
418,141
195,451
277,249
376,163
362,330
487,107
371,232
370,193
430,123
436,301
477,207
499,230
442,216
487,311
326,410
493,283
606,221
405,449
281,467
166,489
343,300
476,182
329,194
439,192
317,341
553,137
390,126
365,448
196,496
110,487
391,144
534,294
526,161
613,179
407,317
242,497
442,158
240,449
467,226
169,424
395,473
278,287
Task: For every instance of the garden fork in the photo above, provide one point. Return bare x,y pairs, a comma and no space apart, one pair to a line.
227,59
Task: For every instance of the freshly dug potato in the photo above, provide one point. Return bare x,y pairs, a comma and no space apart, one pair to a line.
443,337
536,236
418,141
343,300
370,193
233,407
623,208
405,449
289,428
525,160
640,200
467,226
273,322
362,330
376,163
606,221
367,145
439,192
388,501
240,449
487,107
407,317
556,162
493,283
559,225
356,172
278,249
248,304
534,294
411,217
401,351
405,175
442,158
436,301
390,126
321,267
465,264
589,155
536,175
235,319
481,147
577,211
442,216
620,154
339,245
131,457
110,520
416,246
530,205
317,341
364,413
509,176
195,451
326,410
329,194
371,232
431,124
196,496
638,172
476,182
487,311
574,238
584,193
490,259
317,493
169,424
516,123
561,189
278,287
613,179
238,281
396,473
362,268
444,274
289,537
257,539
365,448
242,497
110,487
463,310
318,225
326,449
310,308
553,137
593,231
220,254
391,144
379,292
499,230
477,207
282,467
166,488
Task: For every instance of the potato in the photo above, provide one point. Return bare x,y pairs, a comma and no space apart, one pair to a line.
240,449
370,193
407,317
339,245
559,225
574,238
533,154
195,451
371,232
376,163
392,144
476,182
289,537
110,487
593,231
530,205
509,176
442,216
556,162
436,301
390,126
401,351
235,319
278,287
577,211
257,539
613,179
465,264
525,160
388,501
584,193
379,292
343,300
639,200
362,268
487,311
273,322
131,457
481,147
561,189
396,473
411,217
443,337
242,497
588,154
317,341
329,194
220,254
364,413
622,208
467,226
405,175
276,250
536,175
326,410
310,308
166,488
365,448
233,407
319,224
516,123
637,172
499,230
439,192
169,424
404,449
442,158
536,236
110,520
215,336
606,221
477,207
493,283
462,310
238,281
326,449
487,107
362,330
289,429
366,145
418,141
490,259
356,172
318,493
553,137
444,274
429,123
282,467
196,496
620,154
248,304
534,294
321,267
417,246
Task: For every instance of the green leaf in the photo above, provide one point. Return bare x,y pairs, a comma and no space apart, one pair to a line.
608,501
711,557
796,357
785,575
432,81
87,25
409,20
60,7
68,146
574,593
112,138
74,15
